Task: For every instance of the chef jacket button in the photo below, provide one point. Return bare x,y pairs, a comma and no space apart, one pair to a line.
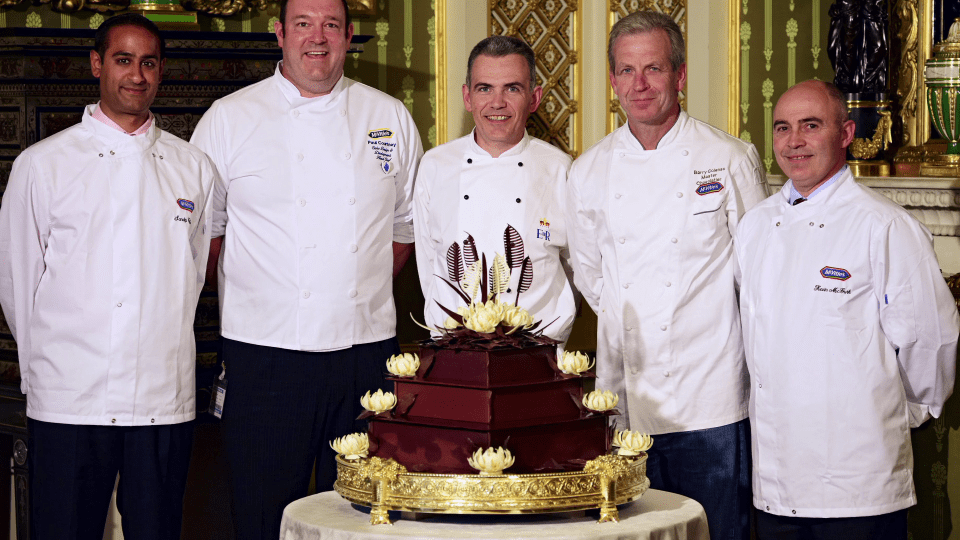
351,200
778,224
821,225
306,294
629,328
622,240
299,156
518,200
353,248
633,370
626,285
811,224
112,153
617,196
663,327
667,284
296,114
343,112
119,304
301,201
153,420
666,373
685,152
469,160
793,511
760,385
465,197
768,508
113,421
679,195
346,155
101,155
673,240
161,157
353,293
520,164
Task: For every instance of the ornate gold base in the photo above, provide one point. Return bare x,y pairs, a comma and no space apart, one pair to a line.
941,165
167,16
383,485
869,167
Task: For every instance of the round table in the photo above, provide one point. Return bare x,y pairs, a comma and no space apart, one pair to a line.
658,515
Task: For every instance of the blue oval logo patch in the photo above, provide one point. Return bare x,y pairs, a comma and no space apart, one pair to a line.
830,272
185,204
712,187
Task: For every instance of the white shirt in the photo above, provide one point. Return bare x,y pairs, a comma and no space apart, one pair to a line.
652,245
848,325
461,189
103,246
313,193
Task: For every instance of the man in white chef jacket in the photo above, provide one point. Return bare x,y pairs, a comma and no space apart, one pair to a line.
315,214
652,210
496,176
104,235
850,334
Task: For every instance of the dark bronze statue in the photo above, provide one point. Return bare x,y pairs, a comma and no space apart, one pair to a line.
857,45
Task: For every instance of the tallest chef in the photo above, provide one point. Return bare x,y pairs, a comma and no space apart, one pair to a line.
493,177
652,211
315,210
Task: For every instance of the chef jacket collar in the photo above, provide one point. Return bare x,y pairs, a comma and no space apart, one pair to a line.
517,149
669,138
292,93
118,140
824,193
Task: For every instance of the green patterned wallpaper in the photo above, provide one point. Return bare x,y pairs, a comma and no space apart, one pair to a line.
782,42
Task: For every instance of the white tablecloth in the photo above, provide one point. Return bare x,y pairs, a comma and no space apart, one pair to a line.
658,515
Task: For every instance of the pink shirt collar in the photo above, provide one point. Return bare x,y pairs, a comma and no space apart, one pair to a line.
99,115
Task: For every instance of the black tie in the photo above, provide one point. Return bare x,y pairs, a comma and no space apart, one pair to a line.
798,201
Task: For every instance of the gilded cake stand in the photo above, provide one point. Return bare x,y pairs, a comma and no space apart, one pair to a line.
384,484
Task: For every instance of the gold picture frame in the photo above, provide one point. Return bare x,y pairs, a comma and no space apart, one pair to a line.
363,8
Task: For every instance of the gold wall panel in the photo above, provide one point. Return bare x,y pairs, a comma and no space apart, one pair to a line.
552,28
677,9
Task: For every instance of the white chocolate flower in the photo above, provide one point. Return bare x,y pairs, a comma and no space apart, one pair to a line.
451,324
379,402
517,316
574,362
600,400
631,443
482,318
353,446
404,365
491,461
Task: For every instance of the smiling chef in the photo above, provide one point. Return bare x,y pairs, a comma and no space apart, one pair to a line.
477,185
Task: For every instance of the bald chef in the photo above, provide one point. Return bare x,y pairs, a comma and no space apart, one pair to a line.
496,176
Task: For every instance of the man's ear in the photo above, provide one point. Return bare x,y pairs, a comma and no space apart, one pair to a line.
96,63
846,133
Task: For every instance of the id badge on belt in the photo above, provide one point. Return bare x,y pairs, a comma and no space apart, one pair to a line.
218,393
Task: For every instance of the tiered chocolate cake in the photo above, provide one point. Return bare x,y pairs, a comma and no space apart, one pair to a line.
511,397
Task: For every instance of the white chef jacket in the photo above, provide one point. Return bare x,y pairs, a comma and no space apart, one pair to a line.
461,189
846,321
103,247
313,193
651,236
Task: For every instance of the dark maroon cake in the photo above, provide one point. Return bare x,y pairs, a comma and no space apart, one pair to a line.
462,400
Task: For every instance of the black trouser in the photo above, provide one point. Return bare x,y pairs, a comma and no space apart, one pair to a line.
892,526
281,411
73,470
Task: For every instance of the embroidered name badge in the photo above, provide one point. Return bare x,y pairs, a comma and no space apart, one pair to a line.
380,142
712,187
839,274
543,231
185,204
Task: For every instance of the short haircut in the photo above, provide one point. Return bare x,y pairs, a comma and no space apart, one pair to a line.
648,21
837,97
500,46
346,11
101,39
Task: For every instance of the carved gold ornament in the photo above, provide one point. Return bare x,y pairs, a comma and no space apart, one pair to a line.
379,402
353,446
404,365
574,362
632,443
491,461
601,400
863,148
385,485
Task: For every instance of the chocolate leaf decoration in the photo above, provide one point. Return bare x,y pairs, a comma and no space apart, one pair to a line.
499,277
526,279
483,274
454,263
456,316
458,291
365,414
512,246
406,401
469,250
471,281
